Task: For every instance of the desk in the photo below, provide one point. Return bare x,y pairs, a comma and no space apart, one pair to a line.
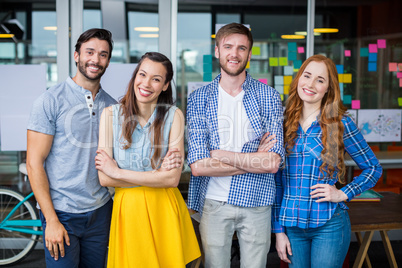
380,216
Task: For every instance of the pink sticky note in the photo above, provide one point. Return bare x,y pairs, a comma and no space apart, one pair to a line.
393,67
300,49
382,43
263,80
373,48
399,74
400,67
355,104
347,53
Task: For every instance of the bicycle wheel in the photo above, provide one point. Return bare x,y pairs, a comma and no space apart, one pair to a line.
15,245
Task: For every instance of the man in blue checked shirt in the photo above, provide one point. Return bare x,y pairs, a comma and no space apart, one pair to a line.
235,146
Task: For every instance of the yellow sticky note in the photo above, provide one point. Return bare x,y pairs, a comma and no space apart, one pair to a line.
248,65
286,90
340,78
347,78
283,61
273,61
256,51
282,97
287,79
399,101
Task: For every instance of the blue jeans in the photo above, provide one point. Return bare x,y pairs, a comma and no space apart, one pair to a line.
89,238
325,246
220,220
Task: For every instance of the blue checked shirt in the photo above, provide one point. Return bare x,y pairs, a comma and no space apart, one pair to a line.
293,205
264,110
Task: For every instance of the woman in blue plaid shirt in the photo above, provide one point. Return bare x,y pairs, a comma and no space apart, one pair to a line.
310,217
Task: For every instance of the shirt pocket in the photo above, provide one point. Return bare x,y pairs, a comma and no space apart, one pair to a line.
314,148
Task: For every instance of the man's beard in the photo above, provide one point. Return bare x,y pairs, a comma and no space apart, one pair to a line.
82,70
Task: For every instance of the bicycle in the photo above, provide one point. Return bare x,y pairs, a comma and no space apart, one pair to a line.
20,226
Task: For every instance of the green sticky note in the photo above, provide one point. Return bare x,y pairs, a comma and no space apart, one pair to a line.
273,61
207,59
207,77
297,64
347,99
292,55
400,101
207,68
292,46
256,51
364,52
283,61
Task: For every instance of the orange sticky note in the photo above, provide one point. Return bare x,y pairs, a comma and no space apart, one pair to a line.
347,78
287,79
248,65
393,67
400,67
340,78
286,90
400,82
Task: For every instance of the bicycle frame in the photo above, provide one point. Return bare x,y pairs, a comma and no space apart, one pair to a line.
18,225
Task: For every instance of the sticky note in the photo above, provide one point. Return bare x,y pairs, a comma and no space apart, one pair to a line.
287,80
207,68
399,74
279,89
400,82
207,59
347,99
292,46
281,97
297,64
207,77
372,57
400,67
286,90
273,61
340,78
263,80
341,90
248,65
373,48
292,55
347,78
278,80
283,61
381,43
300,50
372,66
393,67
364,51
347,53
288,70
339,68
400,101
355,104
256,51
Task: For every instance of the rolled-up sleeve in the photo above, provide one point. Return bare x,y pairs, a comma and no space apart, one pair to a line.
276,125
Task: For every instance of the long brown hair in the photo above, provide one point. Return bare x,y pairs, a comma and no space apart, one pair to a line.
129,108
332,111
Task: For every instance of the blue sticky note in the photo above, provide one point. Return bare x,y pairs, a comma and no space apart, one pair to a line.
207,77
278,80
207,59
292,55
339,68
372,57
207,68
292,46
347,99
364,52
297,64
372,66
288,70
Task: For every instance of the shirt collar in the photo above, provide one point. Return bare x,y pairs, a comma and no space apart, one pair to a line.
80,89
244,86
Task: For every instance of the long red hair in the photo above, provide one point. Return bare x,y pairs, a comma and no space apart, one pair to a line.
332,111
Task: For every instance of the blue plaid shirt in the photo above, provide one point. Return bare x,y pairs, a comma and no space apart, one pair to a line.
264,110
293,205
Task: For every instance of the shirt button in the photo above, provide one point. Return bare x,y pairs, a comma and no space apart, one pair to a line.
297,206
88,97
299,169
93,113
90,105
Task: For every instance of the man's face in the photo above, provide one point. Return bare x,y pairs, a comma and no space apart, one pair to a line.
93,58
233,52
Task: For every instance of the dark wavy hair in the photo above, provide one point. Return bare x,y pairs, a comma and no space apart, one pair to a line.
332,111
101,34
129,107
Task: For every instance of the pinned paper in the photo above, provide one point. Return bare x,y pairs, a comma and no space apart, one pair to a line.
292,55
381,43
248,65
372,66
207,59
400,101
297,64
347,99
283,61
287,80
273,61
372,57
347,78
279,89
292,46
373,48
340,78
286,90
393,67
339,68
256,51
364,51
399,74
278,80
347,53
288,70
300,50
355,104
263,80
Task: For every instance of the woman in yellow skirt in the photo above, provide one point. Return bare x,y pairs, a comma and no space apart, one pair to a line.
141,149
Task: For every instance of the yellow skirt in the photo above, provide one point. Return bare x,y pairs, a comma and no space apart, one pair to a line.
151,227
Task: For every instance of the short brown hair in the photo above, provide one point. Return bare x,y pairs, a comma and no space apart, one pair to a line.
233,28
101,34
